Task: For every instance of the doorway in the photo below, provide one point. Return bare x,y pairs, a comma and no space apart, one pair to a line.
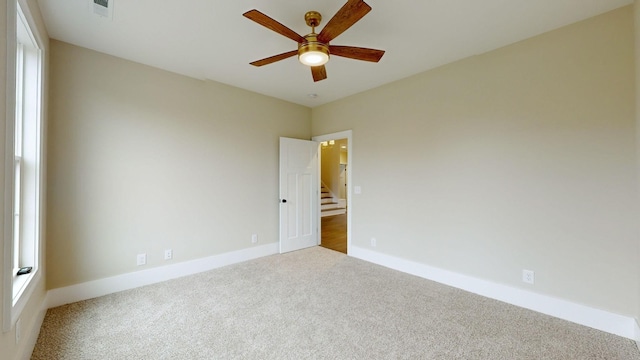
334,187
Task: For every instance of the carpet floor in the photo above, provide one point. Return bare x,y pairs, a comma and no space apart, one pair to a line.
312,304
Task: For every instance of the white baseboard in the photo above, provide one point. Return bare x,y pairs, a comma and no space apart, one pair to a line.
598,319
637,330
96,288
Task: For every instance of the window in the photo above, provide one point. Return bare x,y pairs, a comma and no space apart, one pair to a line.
24,243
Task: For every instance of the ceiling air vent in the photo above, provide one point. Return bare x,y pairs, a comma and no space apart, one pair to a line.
103,8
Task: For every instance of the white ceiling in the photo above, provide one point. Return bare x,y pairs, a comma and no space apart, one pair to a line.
210,39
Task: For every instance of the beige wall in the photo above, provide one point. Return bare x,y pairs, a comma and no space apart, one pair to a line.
141,160
520,158
636,13
33,311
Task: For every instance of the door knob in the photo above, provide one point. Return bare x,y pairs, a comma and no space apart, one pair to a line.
283,201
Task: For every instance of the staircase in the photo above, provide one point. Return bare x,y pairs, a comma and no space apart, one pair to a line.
328,206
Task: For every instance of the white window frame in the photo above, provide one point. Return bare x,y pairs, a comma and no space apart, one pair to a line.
23,160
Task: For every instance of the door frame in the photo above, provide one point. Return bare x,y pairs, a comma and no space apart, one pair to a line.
347,134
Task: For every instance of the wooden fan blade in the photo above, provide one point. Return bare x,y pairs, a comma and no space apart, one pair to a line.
357,53
348,15
272,24
318,73
274,58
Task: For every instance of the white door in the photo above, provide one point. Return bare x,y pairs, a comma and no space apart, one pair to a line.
298,194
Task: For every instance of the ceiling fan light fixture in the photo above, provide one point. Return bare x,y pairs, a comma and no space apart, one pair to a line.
314,49
313,53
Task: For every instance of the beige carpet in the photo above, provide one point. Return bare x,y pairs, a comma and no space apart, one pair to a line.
312,304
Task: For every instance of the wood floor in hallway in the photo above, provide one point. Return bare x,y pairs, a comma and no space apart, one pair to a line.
334,233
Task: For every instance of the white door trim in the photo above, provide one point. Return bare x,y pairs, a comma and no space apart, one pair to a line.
347,134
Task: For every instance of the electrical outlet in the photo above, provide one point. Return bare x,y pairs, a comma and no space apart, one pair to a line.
528,276
254,238
18,330
141,259
168,254
374,242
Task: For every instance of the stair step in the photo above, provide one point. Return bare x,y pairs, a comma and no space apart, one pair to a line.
332,212
329,206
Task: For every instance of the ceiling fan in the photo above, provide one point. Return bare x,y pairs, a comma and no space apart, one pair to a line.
314,49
